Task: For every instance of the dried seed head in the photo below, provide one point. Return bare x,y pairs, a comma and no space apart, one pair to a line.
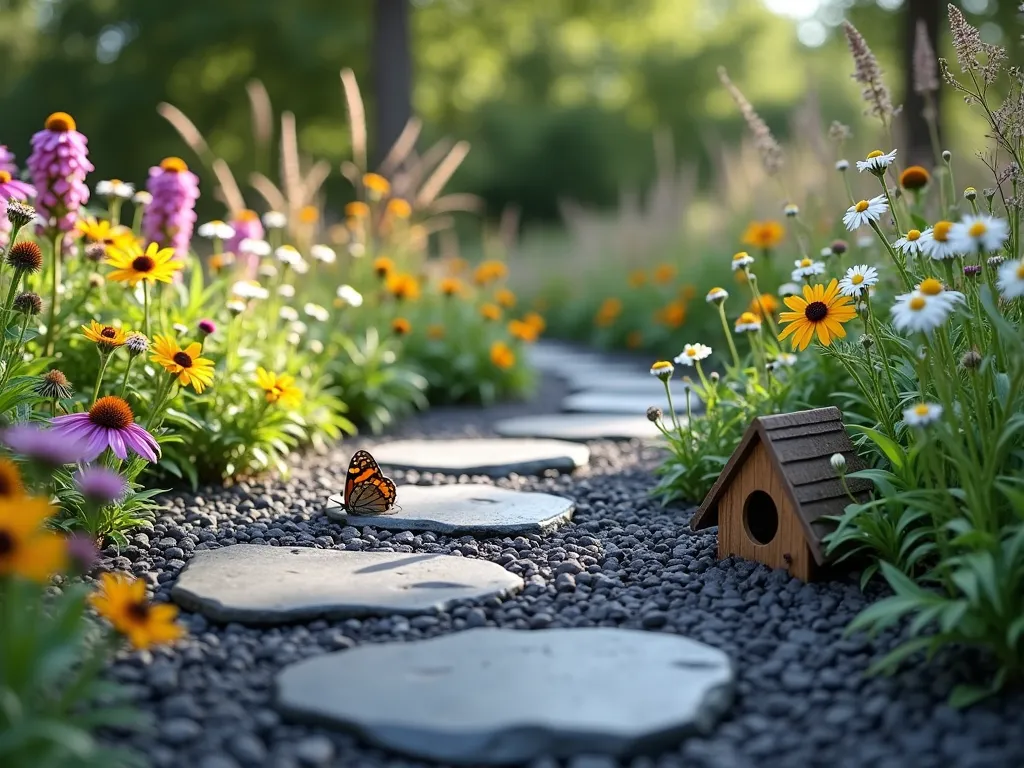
654,413
926,66
971,359
25,256
54,385
19,214
868,73
95,252
28,303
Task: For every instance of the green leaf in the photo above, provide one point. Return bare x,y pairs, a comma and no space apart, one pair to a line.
892,450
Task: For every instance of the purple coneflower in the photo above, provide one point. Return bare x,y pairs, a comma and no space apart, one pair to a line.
82,551
170,216
247,226
100,485
12,189
59,163
7,160
42,445
110,423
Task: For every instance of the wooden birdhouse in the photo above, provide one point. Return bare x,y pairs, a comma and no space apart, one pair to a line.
770,498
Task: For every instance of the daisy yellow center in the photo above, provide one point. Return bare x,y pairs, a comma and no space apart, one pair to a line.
917,303
977,229
861,206
875,153
248,215
857,279
921,410
941,231
61,122
739,256
4,177
691,353
143,264
182,359
816,311
805,262
913,234
930,287
1020,271
173,164
661,365
112,413
716,291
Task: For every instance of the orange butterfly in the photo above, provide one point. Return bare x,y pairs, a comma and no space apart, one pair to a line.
367,490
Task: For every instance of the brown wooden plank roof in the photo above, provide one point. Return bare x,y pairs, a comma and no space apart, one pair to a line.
800,445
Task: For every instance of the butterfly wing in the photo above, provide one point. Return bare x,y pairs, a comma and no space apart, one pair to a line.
367,490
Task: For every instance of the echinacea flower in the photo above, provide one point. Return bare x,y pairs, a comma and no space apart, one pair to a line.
502,355
13,189
7,160
922,414
28,548
279,388
692,353
54,385
106,337
121,600
936,243
858,280
132,265
910,244
865,212
169,218
978,234
40,445
748,322
28,303
876,162
663,370
59,164
100,485
26,257
741,260
187,364
216,229
110,423
1011,279
821,310
807,268
115,189
323,253
716,296
18,213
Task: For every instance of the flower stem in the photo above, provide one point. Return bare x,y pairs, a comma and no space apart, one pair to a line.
145,307
51,322
728,336
104,359
124,381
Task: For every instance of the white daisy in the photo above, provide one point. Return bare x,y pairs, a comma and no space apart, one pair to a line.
826,252
858,280
235,307
286,291
288,254
350,295
692,353
663,370
716,296
916,312
748,321
180,328
741,260
842,165
267,270
299,327
1011,279
935,241
142,198
788,359
791,210
249,289
323,253
910,244
876,162
316,346
288,314
934,289
275,220
301,267
789,289
255,247
115,188
922,414
216,229
807,268
979,234
316,312
865,211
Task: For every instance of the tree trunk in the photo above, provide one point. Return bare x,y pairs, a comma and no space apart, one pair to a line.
917,139
392,73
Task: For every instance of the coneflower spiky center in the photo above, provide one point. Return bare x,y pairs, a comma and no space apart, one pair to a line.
111,412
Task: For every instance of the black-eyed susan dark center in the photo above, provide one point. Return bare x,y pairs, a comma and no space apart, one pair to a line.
108,332
143,264
6,544
138,612
816,311
182,359
111,412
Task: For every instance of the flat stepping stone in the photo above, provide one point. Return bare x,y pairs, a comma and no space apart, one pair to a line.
623,403
579,426
627,383
497,696
493,458
254,584
467,509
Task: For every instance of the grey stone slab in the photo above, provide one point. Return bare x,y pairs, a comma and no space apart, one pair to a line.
625,403
626,383
272,585
579,426
494,458
497,696
464,508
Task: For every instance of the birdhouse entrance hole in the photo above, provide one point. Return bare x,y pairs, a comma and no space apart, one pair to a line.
760,517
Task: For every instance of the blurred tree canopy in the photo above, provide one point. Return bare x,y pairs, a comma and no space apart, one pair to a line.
558,97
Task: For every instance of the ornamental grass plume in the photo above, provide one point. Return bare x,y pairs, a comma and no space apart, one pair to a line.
868,73
59,164
925,65
767,146
170,217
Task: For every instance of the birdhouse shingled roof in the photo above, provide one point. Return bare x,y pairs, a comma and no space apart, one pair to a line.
800,446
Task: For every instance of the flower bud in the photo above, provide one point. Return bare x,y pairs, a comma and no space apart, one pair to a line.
971,359
838,462
654,413
970,194
842,165
866,341
946,155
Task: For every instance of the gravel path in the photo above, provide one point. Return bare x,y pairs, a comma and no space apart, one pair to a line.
803,699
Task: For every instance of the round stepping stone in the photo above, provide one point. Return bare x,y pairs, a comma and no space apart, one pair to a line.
623,403
254,584
493,458
497,696
578,426
471,508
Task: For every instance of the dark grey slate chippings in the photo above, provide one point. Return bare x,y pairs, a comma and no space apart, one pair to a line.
634,559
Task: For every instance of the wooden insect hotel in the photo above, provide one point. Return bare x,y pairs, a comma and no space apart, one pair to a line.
770,498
